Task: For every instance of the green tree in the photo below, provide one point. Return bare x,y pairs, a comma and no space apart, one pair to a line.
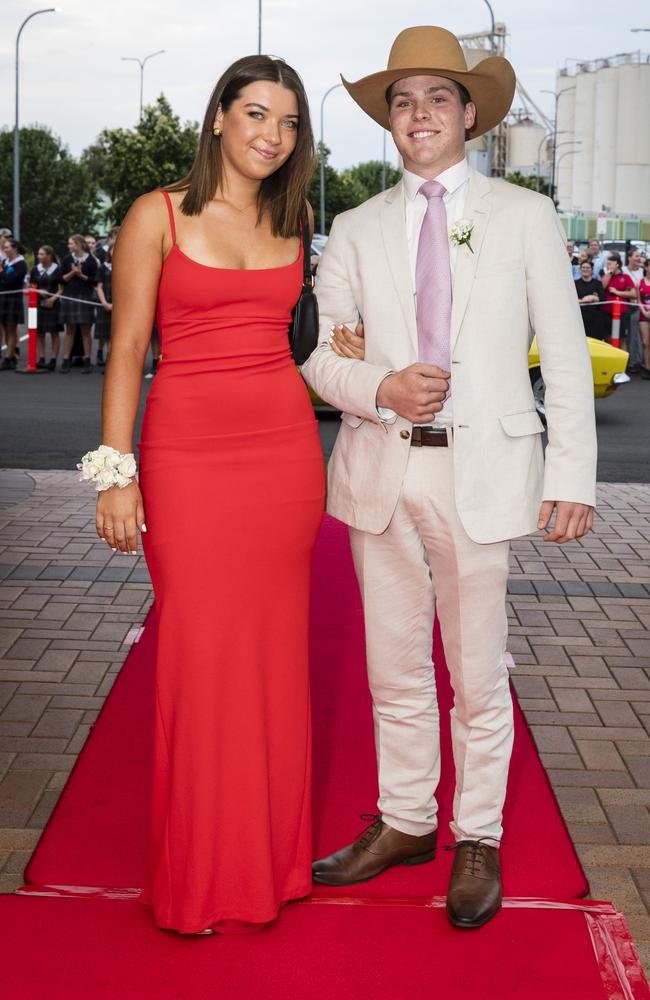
366,178
529,182
58,195
129,162
347,189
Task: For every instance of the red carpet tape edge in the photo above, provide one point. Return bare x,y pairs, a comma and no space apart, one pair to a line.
616,958
430,902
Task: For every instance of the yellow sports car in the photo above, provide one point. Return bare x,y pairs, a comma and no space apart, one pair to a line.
608,366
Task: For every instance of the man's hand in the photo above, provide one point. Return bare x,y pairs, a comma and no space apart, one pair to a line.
416,393
572,520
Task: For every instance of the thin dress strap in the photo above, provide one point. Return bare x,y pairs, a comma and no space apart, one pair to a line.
172,224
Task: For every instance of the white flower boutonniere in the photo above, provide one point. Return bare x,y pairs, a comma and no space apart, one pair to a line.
461,233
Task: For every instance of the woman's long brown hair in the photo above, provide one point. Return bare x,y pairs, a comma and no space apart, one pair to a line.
283,193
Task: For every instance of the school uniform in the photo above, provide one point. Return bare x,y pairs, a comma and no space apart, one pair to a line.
12,280
592,317
103,321
47,280
83,309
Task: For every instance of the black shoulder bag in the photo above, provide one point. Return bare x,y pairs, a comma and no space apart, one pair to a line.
303,331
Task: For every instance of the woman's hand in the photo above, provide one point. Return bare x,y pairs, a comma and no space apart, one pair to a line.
347,344
108,306
120,513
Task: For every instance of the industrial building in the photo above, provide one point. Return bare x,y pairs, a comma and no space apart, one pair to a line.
596,152
602,106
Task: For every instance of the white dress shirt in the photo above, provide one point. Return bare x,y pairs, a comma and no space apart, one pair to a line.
455,180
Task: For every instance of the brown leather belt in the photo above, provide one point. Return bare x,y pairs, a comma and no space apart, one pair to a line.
427,437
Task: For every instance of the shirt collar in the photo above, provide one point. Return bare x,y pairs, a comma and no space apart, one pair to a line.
452,178
47,270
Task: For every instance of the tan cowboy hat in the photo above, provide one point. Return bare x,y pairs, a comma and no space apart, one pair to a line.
431,51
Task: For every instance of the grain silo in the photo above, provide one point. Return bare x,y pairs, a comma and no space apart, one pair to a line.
525,145
564,155
599,106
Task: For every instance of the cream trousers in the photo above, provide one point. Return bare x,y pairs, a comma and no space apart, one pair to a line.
425,561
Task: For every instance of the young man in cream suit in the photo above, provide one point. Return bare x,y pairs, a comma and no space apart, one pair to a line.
439,462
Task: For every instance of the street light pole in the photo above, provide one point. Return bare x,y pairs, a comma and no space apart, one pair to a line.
569,152
322,157
490,138
556,96
259,27
141,64
16,224
545,137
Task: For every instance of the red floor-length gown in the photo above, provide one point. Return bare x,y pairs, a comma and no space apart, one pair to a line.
231,471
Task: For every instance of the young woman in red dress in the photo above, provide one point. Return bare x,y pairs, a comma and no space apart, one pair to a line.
231,485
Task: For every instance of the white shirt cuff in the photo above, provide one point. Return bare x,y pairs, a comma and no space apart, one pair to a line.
383,412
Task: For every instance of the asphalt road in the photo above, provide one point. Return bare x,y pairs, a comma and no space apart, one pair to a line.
48,421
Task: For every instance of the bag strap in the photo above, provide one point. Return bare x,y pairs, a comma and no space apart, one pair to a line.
307,276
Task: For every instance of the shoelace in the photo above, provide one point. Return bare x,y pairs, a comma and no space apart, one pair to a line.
371,819
477,855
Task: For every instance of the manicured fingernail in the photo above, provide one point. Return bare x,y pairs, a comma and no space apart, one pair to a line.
143,528
113,550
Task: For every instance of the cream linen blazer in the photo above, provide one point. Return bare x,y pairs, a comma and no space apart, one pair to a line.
516,284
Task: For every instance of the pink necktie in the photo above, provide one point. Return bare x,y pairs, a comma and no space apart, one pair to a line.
433,281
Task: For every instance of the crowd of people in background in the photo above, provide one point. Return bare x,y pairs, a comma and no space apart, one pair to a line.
601,278
74,303
75,299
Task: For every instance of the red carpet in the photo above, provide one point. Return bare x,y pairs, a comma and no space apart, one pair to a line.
73,949
389,937
97,834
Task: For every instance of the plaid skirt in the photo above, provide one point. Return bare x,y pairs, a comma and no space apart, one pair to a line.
103,324
12,309
82,310
49,320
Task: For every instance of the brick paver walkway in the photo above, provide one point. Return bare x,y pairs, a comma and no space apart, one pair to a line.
579,633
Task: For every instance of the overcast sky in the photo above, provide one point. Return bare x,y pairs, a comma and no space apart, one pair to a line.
72,78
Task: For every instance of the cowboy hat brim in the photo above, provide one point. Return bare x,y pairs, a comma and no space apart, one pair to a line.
490,84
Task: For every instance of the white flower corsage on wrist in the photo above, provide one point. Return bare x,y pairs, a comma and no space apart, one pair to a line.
107,467
461,232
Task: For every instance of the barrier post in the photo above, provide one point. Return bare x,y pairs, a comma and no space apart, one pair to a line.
616,323
32,328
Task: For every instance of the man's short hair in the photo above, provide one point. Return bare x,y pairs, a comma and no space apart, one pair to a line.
462,92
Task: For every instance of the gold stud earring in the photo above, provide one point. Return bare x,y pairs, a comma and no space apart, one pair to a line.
217,131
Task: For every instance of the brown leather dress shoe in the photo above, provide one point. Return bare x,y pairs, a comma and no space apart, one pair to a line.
475,887
379,847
